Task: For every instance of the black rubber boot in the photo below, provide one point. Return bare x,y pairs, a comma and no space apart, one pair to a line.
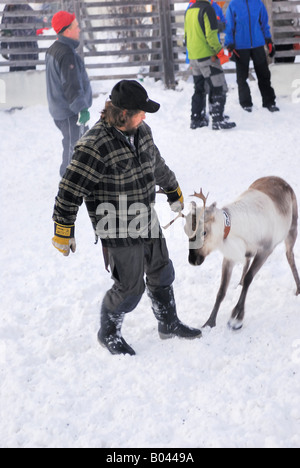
223,125
164,309
218,118
199,121
109,335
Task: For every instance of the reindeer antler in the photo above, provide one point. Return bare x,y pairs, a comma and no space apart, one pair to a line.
201,196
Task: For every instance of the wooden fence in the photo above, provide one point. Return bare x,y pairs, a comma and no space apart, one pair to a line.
124,38
285,25
120,39
138,36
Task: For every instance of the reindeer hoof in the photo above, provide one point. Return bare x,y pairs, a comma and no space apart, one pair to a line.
209,324
298,292
235,324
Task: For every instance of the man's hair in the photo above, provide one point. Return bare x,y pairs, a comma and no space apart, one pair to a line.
115,116
64,29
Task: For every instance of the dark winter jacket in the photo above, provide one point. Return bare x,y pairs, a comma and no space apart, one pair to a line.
68,86
247,24
10,30
117,181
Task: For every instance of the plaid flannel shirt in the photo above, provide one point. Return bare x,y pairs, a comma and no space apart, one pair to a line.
114,178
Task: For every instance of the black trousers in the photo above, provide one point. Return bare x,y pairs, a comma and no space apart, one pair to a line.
263,74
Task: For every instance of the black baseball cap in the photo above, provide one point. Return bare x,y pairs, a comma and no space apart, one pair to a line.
130,95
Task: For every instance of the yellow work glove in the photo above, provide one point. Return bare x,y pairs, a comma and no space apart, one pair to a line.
64,239
175,199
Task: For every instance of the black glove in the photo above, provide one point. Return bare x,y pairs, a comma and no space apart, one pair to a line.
230,48
271,47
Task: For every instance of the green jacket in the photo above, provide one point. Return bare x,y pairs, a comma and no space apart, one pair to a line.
201,31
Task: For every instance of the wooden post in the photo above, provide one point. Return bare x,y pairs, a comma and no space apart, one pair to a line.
167,43
77,11
269,6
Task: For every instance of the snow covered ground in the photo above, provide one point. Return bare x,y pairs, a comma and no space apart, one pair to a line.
58,388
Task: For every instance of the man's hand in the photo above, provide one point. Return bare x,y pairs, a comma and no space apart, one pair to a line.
271,47
230,48
175,199
84,117
64,240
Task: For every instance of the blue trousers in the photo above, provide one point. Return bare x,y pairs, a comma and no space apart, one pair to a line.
71,134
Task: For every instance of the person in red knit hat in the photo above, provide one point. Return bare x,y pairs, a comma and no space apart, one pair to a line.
62,20
68,87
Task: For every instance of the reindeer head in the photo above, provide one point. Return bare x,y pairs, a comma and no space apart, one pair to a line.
199,229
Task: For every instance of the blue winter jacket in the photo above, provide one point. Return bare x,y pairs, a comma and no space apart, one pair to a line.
247,24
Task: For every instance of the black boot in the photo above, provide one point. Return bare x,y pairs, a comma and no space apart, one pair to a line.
164,309
223,125
272,108
109,335
199,121
217,108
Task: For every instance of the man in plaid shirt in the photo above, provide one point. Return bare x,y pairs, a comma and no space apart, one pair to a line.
115,169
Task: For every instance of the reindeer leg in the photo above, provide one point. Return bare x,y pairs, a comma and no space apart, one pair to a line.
238,313
226,276
245,270
290,242
291,260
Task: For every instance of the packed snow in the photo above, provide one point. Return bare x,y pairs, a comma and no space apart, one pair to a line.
58,388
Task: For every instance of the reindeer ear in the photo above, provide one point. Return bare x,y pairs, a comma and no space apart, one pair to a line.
210,212
212,208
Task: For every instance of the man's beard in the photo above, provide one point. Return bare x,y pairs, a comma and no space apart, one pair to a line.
131,131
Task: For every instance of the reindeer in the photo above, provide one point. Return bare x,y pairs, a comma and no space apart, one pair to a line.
250,228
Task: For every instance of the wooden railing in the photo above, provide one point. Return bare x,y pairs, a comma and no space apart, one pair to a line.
124,38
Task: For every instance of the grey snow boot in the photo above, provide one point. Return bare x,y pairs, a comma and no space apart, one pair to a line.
164,309
109,335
